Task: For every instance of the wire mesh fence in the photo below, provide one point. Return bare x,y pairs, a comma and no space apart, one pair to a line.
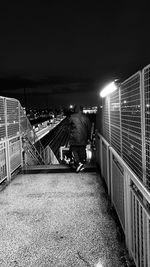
106,119
12,107
2,119
146,79
125,120
115,122
131,123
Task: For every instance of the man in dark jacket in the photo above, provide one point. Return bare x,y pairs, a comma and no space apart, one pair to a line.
80,131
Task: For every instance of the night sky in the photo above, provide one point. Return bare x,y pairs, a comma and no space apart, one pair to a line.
57,53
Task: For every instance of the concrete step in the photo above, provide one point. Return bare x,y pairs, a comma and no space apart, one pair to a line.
55,168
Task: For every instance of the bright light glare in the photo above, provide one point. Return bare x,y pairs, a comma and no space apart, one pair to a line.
111,87
99,265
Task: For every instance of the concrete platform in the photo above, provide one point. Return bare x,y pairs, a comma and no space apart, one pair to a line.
57,220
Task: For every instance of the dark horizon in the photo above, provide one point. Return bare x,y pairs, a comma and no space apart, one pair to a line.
65,52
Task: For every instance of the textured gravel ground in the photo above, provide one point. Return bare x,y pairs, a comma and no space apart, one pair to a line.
57,220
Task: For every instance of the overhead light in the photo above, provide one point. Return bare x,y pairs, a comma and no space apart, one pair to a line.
111,87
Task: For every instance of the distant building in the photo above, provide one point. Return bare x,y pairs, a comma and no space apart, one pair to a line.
90,110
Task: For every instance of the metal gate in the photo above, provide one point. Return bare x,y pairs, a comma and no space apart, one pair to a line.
117,187
105,162
2,119
137,200
15,153
140,223
3,162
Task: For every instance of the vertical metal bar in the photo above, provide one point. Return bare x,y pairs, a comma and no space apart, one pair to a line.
108,170
133,224
140,237
120,121
148,240
128,208
5,110
102,118
102,164
136,207
142,96
111,176
109,122
144,239
135,232
19,117
21,151
6,157
101,158
21,148
7,142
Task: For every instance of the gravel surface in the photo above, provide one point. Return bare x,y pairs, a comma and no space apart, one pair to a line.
57,220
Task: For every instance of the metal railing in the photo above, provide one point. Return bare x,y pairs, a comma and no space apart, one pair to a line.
131,200
125,123
31,145
124,158
17,138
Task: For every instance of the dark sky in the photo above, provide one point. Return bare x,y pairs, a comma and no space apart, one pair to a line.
64,52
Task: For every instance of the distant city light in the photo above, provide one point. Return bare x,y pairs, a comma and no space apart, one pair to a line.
71,106
111,87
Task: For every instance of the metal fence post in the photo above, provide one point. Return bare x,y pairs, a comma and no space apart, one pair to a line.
143,127
120,121
127,202
109,121
7,143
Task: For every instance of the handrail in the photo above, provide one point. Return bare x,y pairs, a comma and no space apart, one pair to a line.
29,135
31,147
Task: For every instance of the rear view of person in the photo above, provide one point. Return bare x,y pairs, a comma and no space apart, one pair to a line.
80,131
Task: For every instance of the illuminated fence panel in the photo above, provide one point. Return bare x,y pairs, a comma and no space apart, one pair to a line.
15,153
99,119
2,119
3,163
131,123
140,228
106,122
115,121
12,106
147,121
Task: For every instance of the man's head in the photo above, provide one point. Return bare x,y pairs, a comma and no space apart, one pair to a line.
78,108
